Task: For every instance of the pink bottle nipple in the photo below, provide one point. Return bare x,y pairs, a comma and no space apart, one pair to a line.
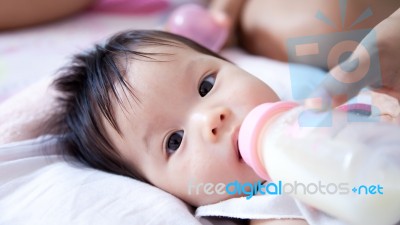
249,134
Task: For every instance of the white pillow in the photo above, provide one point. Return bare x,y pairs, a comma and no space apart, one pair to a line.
39,189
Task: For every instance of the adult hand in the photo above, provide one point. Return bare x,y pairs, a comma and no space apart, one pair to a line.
379,51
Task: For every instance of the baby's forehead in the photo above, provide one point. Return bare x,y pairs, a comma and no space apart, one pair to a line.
165,49
155,65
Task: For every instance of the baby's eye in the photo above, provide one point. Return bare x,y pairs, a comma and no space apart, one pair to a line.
206,85
174,141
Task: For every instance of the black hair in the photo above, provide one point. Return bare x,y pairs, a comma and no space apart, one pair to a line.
87,87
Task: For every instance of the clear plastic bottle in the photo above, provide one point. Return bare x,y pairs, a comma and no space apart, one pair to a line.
344,164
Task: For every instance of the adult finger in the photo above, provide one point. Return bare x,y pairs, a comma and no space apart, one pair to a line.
346,79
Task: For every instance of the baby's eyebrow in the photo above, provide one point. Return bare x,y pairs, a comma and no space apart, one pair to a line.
146,141
148,135
190,66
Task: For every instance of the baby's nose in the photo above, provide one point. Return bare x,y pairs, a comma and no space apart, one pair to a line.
215,121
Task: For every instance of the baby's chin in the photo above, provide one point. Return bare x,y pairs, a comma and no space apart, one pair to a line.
210,199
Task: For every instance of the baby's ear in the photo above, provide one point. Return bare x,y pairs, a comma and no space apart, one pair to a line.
208,28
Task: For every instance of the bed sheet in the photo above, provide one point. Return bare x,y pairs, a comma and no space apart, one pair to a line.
44,189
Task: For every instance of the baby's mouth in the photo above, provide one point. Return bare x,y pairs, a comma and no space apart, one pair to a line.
238,151
236,144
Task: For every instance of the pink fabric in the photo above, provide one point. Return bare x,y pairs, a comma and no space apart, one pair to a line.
130,6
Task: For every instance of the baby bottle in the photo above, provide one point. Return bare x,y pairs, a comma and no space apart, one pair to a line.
342,163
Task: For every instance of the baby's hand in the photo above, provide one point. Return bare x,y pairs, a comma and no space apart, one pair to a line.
208,28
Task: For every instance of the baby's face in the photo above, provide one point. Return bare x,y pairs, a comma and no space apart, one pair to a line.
182,128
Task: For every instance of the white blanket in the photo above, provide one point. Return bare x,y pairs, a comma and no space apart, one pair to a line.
267,207
43,189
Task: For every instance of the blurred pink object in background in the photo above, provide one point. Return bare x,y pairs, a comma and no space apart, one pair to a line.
197,23
130,6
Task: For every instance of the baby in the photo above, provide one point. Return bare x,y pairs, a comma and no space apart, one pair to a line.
159,108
